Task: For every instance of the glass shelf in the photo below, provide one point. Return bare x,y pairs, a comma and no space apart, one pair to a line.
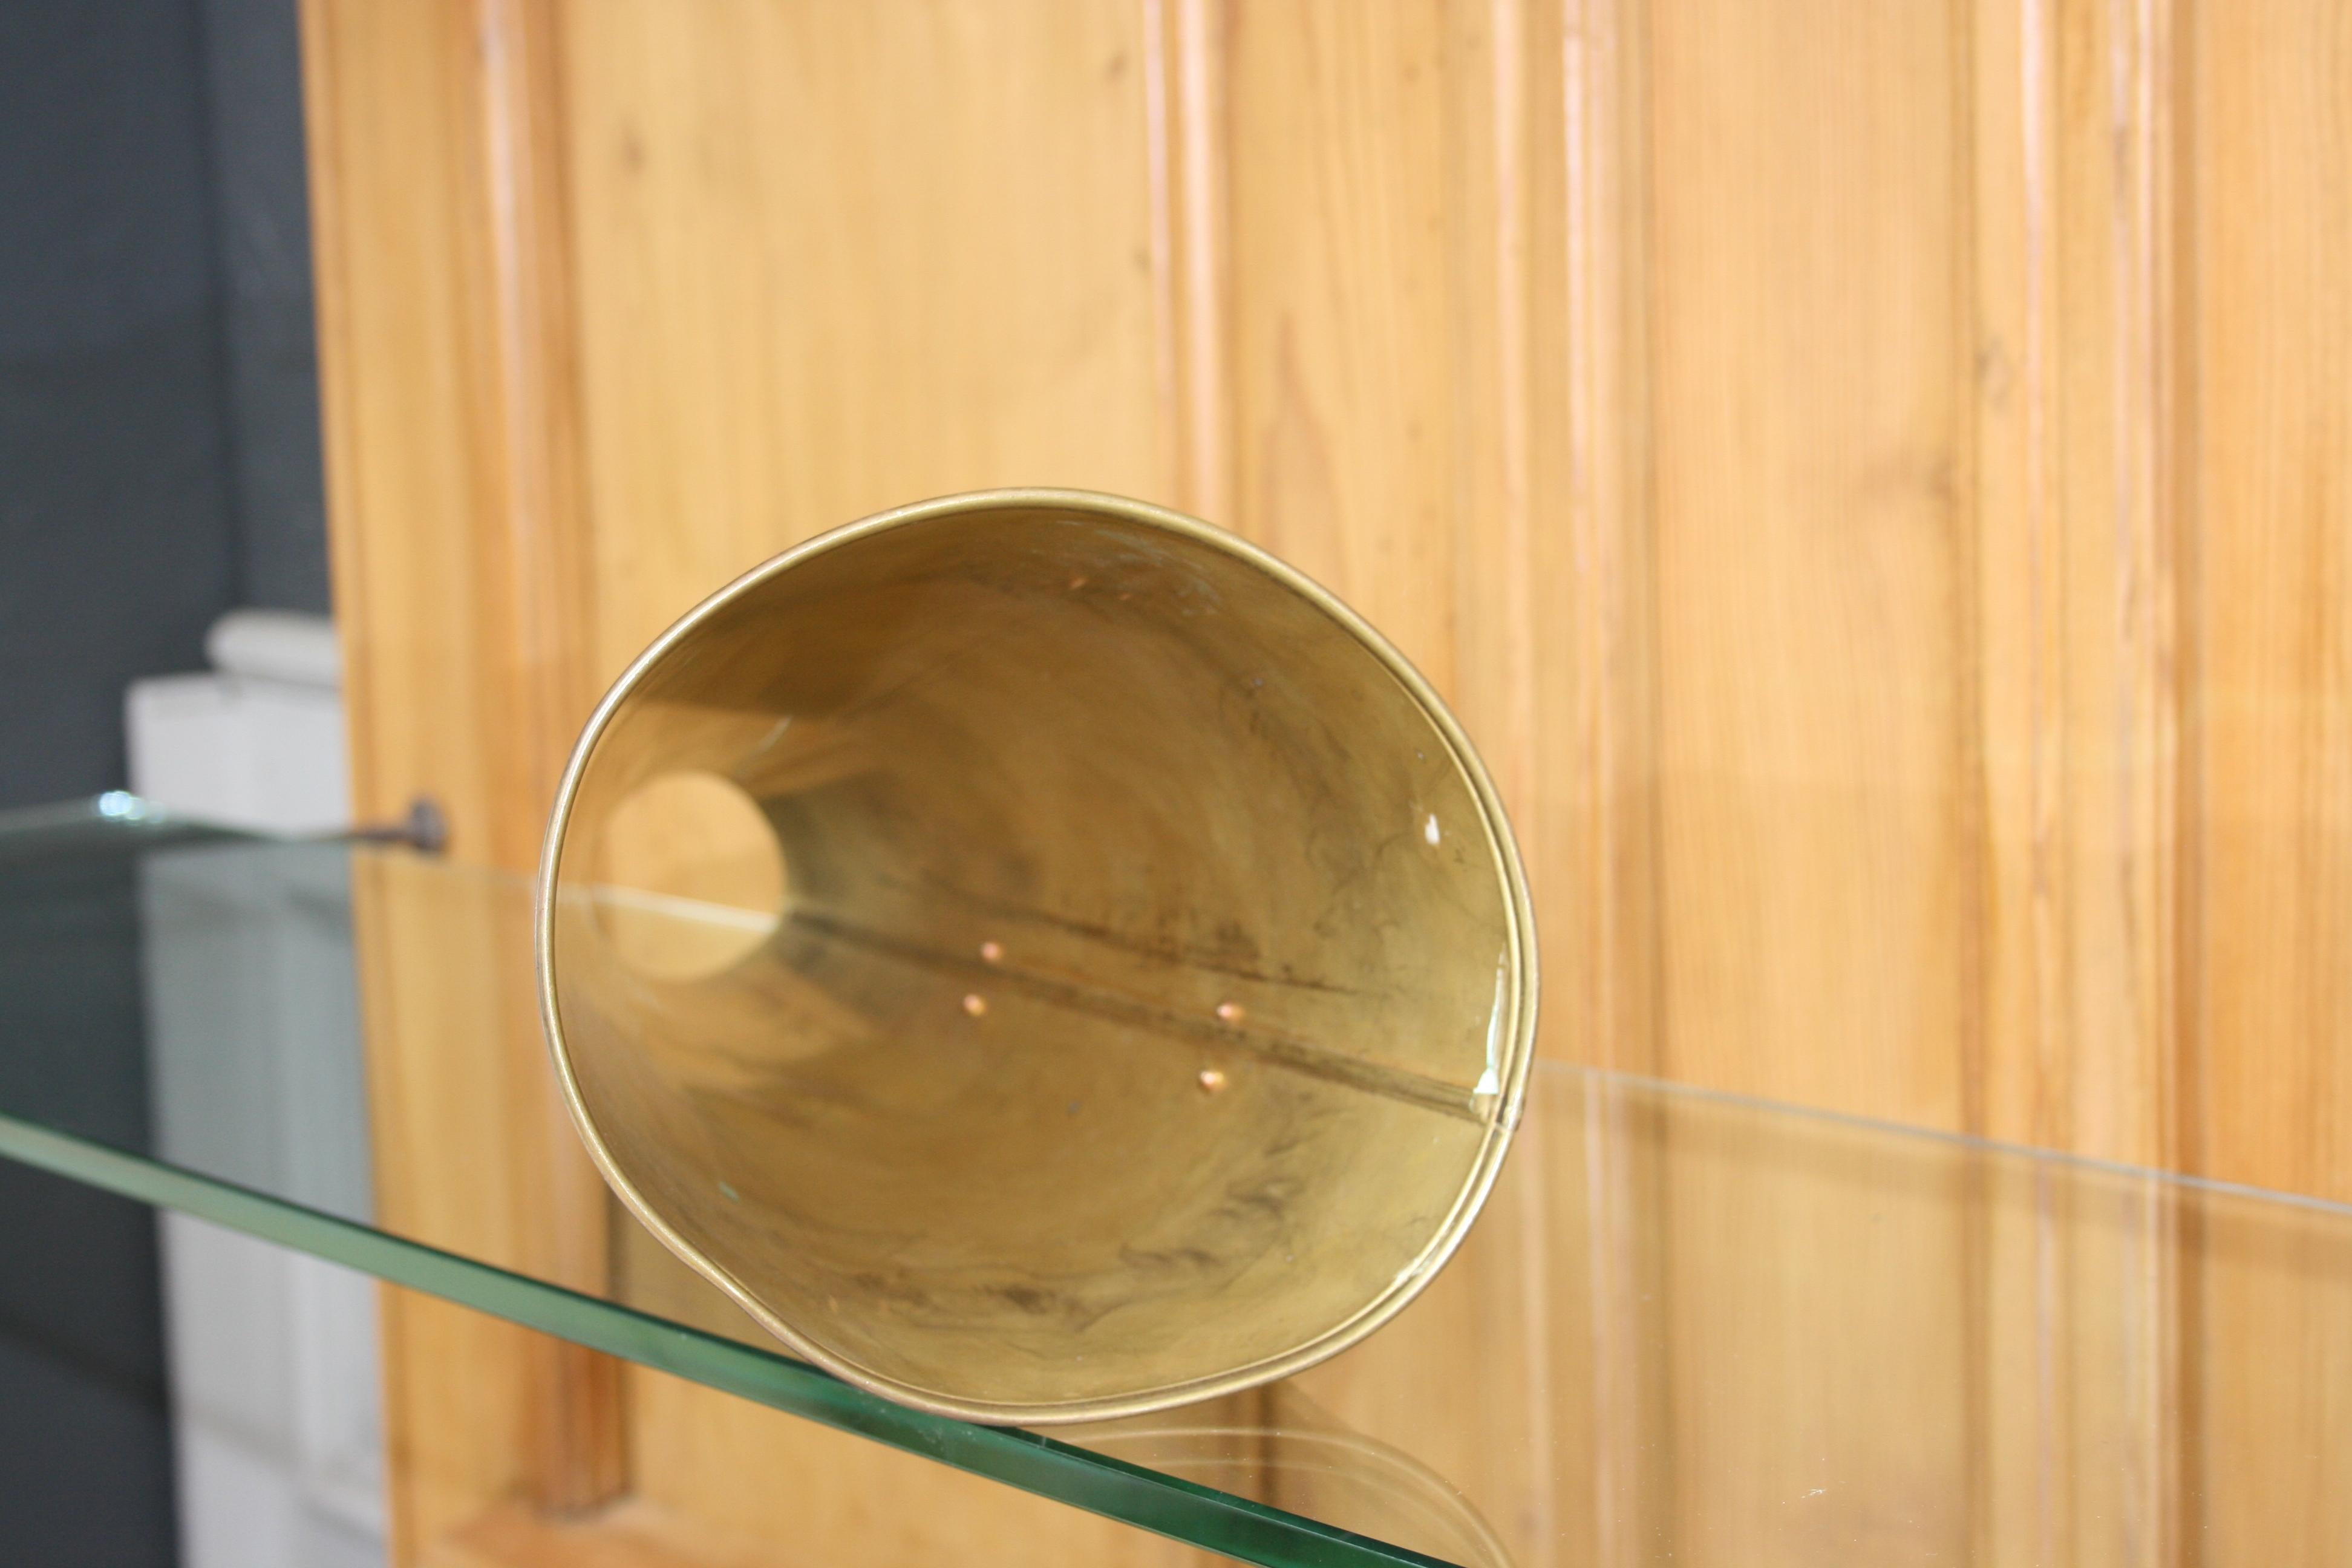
1688,1329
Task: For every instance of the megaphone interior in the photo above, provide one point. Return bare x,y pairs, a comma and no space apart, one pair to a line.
1110,983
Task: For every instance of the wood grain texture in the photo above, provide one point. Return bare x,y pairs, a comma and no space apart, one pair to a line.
1774,458
821,1497
2270,435
1872,480
1817,852
629,1535
834,258
2264,427
463,1137
1595,855
638,1534
1400,301
1734,1336
444,389
796,303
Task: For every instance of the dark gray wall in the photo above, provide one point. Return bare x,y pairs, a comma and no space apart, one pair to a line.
159,449
85,1438
261,229
158,465
116,538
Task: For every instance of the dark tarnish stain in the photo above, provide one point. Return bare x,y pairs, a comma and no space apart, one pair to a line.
1232,953
1234,944
1302,1056
1198,1258
1267,1199
1030,1298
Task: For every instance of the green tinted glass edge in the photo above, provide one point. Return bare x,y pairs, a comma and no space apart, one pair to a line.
1131,1494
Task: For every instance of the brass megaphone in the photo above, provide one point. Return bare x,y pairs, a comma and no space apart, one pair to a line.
1135,989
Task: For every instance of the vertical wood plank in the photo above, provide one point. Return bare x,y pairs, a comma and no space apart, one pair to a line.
1349,459
2271,1370
2267,426
2272,439
446,397
1184,48
1402,298
578,1435
1817,1243
1815,566
1873,481
831,259
2077,521
467,1398
1624,1426
2077,518
1396,310
1596,854
1812,611
834,258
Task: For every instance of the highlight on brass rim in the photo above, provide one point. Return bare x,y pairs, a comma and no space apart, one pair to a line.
1044,958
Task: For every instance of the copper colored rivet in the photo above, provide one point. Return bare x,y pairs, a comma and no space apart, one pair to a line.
1229,1012
1212,1081
991,952
975,1004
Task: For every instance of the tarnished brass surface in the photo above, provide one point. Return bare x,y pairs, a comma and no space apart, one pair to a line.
1152,992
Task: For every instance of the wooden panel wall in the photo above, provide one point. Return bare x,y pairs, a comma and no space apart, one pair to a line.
832,259
2265,439
1873,478
448,461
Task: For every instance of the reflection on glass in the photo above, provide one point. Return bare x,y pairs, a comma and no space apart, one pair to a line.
1279,1446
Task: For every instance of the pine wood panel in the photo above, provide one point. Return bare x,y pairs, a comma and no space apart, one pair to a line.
1398,311
470,1155
638,1534
1732,1337
2262,1476
1933,423
446,466
2264,425
2269,433
1811,530
1431,304
2079,689
832,259
1871,479
1381,330
629,1535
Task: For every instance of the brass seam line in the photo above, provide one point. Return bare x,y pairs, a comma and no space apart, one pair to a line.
1276,1050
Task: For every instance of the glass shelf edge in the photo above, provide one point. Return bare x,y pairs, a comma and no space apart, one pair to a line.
1028,1461
2181,1181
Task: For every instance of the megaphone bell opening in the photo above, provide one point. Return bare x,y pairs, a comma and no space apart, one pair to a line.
689,878
1109,978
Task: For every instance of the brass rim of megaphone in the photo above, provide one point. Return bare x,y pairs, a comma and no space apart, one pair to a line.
1518,1000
